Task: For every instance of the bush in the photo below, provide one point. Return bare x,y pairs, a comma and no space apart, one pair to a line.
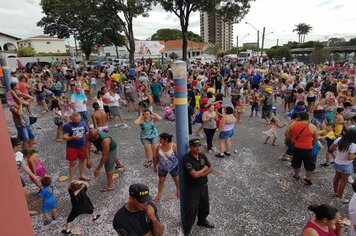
52,54
26,52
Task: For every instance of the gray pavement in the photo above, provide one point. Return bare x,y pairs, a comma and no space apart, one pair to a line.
251,192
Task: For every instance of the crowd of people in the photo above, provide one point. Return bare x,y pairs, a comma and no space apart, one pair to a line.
316,103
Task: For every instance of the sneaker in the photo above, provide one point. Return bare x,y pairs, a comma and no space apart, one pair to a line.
350,179
124,126
324,165
220,155
206,223
284,157
65,232
227,153
47,222
342,200
116,125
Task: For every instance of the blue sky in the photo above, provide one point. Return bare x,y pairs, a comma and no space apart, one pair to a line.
329,18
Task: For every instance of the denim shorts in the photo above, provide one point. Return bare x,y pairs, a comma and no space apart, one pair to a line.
84,116
226,134
150,141
344,169
25,133
164,173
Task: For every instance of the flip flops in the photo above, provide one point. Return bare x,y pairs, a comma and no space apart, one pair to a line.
105,189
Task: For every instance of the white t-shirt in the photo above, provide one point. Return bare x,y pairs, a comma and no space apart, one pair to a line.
352,214
79,101
19,159
114,100
14,80
341,157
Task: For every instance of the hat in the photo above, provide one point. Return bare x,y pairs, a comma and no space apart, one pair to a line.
140,192
268,90
194,142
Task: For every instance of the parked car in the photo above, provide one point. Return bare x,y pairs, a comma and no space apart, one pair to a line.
37,66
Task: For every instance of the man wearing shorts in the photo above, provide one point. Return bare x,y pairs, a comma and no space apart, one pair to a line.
108,147
303,135
99,118
74,133
156,90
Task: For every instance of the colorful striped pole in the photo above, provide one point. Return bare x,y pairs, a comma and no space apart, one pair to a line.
5,70
179,69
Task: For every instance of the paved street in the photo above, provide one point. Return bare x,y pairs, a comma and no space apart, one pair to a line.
251,192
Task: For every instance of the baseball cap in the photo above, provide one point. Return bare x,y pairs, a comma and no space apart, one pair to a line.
140,192
194,142
268,90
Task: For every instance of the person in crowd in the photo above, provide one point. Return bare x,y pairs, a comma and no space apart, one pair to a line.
352,210
81,204
113,101
303,135
272,132
74,132
345,148
57,118
34,163
327,221
225,132
209,123
79,103
49,203
196,203
99,118
267,102
149,134
139,216
166,161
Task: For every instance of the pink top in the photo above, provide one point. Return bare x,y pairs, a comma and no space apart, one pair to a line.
319,230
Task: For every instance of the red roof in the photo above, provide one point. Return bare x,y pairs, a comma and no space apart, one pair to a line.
43,37
190,44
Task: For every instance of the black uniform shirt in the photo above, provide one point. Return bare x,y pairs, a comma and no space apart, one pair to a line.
192,163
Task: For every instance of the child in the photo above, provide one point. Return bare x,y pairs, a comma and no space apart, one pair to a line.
34,164
49,204
93,83
328,135
57,119
253,102
68,110
239,107
81,204
339,122
272,132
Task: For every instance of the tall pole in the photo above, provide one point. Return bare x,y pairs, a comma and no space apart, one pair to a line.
258,40
179,69
263,41
277,42
5,70
237,44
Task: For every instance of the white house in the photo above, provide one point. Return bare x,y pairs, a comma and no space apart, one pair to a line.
43,44
8,44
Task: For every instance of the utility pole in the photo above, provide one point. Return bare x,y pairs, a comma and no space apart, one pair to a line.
237,44
277,42
263,41
258,40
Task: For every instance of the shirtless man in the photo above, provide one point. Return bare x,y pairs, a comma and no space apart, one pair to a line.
99,118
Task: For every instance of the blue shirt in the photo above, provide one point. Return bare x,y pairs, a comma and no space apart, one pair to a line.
296,109
132,71
256,79
78,130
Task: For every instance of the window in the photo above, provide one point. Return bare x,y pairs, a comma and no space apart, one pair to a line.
48,42
29,44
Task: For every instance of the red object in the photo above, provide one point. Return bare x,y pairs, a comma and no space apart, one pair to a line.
15,219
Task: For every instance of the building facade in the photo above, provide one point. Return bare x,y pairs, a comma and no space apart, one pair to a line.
43,44
214,30
8,44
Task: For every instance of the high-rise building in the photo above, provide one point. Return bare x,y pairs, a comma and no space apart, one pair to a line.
214,30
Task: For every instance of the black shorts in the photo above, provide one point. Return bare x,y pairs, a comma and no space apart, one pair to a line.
311,99
304,156
57,93
156,98
106,109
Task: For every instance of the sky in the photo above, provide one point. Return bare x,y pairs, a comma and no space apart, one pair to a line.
329,18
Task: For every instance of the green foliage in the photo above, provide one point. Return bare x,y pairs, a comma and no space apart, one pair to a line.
320,56
88,21
230,11
332,42
44,54
174,34
26,52
302,29
312,44
278,52
232,51
173,56
213,49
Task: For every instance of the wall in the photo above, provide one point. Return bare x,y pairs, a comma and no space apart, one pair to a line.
11,62
4,39
54,46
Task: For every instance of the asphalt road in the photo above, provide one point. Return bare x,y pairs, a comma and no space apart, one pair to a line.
251,192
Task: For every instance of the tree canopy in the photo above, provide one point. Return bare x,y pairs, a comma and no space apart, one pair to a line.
302,29
174,34
230,10
85,20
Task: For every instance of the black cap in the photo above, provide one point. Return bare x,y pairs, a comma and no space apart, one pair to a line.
140,192
195,142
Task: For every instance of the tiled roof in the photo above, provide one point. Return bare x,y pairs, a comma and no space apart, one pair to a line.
16,38
43,37
179,43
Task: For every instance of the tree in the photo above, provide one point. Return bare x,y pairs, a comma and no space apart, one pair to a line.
230,10
129,10
173,56
302,29
320,56
86,20
26,52
213,49
174,34
335,42
278,52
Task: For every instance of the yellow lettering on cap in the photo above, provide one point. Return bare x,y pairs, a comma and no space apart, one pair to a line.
143,193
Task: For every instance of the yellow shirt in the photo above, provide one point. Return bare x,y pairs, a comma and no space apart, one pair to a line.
116,77
329,135
211,89
338,129
197,101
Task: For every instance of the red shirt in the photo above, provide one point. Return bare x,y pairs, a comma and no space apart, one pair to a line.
23,89
305,139
320,232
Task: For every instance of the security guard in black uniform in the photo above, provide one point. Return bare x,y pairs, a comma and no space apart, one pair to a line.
196,200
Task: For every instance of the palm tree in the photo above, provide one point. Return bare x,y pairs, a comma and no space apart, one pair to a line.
302,29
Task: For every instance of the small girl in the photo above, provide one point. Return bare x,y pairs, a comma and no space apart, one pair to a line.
272,132
68,109
93,83
239,107
81,204
339,121
49,204
57,119
34,163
